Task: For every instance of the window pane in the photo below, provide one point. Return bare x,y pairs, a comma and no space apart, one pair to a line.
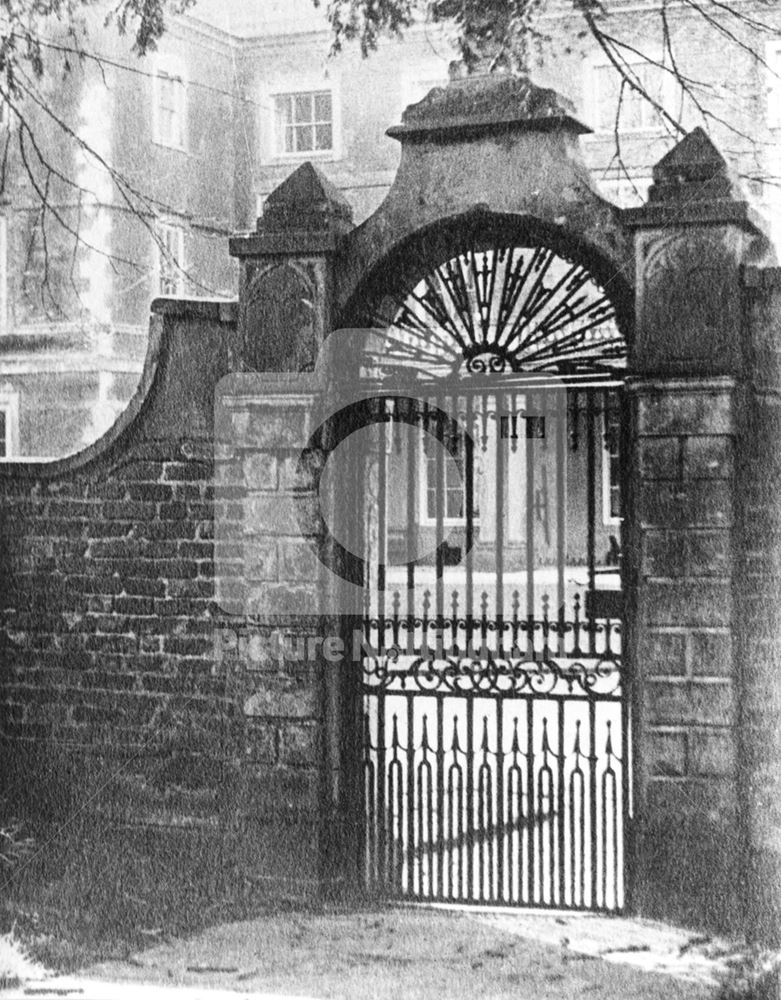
171,262
773,62
606,94
633,109
304,138
302,108
323,107
171,109
452,474
637,112
615,502
309,116
323,137
284,105
455,505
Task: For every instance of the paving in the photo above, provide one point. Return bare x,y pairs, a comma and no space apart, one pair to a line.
413,953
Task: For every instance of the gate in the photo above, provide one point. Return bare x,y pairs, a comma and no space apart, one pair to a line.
495,738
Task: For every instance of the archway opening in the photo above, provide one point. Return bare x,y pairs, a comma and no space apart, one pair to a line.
495,735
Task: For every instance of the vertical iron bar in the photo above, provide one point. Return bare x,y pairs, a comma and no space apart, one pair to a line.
624,500
413,444
440,801
382,458
604,826
529,446
371,862
470,798
531,810
441,496
561,511
560,804
469,488
382,478
425,817
591,514
382,863
410,793
500,817
455,795
396,813
576,831
499,531
592,794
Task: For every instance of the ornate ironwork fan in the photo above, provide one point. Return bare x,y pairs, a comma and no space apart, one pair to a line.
508,308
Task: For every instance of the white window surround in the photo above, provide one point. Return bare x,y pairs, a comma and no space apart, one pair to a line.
773,82
169,102
272,146
626,192
9,407
171,263
602,121
4,312
608,457
423,465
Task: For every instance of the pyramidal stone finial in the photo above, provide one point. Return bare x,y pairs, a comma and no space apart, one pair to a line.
693,170
304,200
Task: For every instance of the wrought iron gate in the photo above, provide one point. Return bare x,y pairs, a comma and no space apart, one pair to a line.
495,738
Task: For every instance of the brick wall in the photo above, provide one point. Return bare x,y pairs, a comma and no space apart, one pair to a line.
686,717
112,639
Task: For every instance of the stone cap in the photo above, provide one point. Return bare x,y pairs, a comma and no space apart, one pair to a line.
694,169
306,213
693,183
304,200
493,102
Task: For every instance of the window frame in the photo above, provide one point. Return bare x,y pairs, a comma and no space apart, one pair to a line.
611,188
162,229
424,521
5,312
170,67
271,148
9,405
592,102
772,114
608,518
281,128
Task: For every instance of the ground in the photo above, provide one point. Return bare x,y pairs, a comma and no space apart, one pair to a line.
412,953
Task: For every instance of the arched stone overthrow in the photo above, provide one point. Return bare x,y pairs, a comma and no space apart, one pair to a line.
144,631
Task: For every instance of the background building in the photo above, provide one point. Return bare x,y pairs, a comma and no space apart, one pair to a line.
198,134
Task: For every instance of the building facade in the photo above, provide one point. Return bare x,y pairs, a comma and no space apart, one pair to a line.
170,153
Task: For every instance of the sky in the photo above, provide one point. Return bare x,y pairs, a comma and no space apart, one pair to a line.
253,17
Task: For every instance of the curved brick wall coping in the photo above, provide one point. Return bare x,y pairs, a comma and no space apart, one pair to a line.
215,310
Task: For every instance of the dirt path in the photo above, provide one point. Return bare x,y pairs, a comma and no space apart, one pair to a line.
412,954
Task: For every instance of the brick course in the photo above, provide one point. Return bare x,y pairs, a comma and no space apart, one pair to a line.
113,653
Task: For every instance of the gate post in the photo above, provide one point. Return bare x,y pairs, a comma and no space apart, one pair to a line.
758,602
269,527
687,382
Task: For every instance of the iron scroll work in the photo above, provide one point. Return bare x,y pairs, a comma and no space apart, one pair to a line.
495,736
